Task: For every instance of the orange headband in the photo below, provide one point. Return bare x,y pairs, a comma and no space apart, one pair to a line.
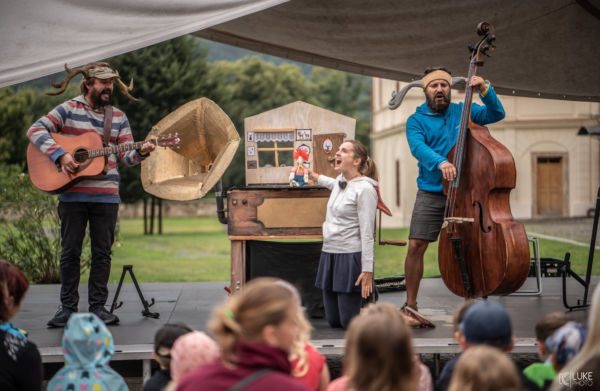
436,75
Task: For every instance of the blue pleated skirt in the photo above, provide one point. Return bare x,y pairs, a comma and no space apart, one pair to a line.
338,272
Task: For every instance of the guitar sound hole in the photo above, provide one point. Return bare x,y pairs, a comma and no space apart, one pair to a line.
81,155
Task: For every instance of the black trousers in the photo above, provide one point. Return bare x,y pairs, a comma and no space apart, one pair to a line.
74,217
340,308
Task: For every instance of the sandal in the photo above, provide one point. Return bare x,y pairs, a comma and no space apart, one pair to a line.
414,318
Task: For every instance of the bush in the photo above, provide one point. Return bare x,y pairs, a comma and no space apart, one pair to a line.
30,228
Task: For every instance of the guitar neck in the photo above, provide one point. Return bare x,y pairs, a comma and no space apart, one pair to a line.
115,149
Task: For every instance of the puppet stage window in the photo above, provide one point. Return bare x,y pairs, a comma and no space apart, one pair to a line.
275,147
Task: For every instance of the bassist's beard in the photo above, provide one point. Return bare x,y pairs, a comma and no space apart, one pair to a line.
438,106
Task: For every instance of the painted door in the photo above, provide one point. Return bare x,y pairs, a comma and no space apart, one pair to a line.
325,146
550,186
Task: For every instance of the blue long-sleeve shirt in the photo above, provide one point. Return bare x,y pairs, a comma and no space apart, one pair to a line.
432,135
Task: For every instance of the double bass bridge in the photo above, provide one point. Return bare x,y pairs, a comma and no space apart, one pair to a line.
457,220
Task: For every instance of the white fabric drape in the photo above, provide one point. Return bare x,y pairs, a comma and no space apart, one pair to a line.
544,49
40,36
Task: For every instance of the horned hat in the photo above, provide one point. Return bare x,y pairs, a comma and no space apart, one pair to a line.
99,70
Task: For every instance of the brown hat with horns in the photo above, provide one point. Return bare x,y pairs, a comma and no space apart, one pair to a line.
98,70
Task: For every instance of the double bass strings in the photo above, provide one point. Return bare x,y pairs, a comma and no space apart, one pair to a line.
460,145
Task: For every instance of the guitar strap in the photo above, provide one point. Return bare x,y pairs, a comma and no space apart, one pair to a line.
108,114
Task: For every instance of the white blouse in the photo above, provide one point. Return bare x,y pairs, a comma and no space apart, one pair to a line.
349,225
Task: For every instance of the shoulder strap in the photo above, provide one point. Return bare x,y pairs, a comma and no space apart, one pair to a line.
108,114
245,382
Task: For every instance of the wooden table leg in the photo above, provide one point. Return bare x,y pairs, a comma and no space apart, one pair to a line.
238,265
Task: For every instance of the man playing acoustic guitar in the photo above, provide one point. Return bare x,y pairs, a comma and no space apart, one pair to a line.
96,199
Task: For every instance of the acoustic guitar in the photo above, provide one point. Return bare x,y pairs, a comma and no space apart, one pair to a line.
88,152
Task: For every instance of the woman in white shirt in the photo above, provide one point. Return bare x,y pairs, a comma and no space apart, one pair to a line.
346,266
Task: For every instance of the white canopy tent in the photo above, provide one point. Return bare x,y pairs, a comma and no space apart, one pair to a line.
40,36
544,49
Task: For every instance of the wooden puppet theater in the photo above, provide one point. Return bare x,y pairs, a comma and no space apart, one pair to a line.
274,223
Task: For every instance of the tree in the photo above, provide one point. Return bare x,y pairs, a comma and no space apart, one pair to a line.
30,228
172,73
19,109
347,94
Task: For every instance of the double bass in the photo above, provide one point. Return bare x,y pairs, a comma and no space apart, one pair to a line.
482,249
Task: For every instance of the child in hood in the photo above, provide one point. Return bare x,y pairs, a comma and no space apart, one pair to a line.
88,347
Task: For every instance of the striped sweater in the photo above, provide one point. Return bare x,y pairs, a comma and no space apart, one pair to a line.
75,117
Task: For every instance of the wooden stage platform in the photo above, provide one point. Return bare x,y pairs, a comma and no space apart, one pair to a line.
192,303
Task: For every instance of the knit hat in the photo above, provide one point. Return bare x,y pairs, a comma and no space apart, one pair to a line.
190,351
438,74
487,323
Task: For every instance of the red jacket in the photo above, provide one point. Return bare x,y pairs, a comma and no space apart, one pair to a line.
316,363
251,358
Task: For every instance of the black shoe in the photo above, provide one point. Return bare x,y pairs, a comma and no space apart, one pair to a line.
107,317
61,317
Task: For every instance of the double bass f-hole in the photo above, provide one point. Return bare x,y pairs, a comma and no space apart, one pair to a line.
484,229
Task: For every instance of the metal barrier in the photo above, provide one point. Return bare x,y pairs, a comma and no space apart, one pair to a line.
535,258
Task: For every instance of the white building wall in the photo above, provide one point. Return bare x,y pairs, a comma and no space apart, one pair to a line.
531,126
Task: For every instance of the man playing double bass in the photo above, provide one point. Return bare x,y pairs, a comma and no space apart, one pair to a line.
94,200
432,132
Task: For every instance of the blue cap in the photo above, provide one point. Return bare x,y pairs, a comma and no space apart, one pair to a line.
487,323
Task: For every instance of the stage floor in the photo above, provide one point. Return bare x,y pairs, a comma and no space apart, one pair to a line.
192,303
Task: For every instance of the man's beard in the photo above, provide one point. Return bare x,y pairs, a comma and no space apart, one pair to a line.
97,100
436,106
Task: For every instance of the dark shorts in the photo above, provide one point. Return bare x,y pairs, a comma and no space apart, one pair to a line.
428,216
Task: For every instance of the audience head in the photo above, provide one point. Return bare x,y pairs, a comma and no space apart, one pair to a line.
484,368
13,285
165,338
459,316
379,354
87,340
190,351
545,328
487,323
588,359
298,351
88,348
265,311
565,343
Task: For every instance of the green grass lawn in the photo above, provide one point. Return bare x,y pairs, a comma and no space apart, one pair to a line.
197,249
190,249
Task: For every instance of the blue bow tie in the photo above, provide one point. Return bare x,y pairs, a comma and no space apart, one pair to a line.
342,184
